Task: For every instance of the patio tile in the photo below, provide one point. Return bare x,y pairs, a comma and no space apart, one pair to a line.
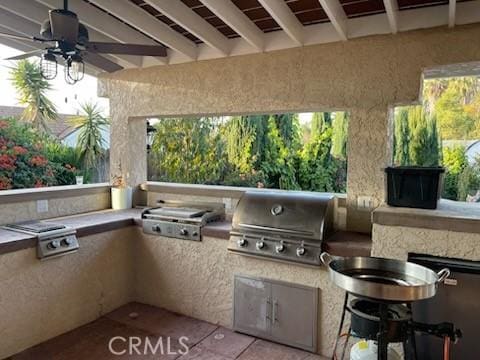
265,350
162,322
199,353
85,334
226,342
316,357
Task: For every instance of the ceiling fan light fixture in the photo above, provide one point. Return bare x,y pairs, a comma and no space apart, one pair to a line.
48,66
74,69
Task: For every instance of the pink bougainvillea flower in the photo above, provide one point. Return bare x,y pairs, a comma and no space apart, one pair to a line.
38,160
5,183
7,162
19,150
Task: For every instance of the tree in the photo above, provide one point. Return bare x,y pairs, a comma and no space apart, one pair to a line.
424,149
90,141
455,161
339,136
317,168
401,138
279,164
27,78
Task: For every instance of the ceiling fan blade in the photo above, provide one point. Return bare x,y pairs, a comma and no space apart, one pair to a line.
26,55
126,49
100,62
17,37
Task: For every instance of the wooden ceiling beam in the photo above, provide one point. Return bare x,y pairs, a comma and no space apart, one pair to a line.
452,10
194,23
287,20
149,25
237,20
391,8
337,16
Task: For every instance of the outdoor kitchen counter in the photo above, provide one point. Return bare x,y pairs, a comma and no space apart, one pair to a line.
342,243
449,215
85,224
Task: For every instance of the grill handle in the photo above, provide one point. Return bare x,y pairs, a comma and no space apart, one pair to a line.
326,258
443,275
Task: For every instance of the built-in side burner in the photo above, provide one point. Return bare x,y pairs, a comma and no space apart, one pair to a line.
53,239
181,220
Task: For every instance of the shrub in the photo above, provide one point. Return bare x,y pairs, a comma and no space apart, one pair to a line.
25,162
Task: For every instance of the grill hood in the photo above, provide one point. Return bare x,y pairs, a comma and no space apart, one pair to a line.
299,215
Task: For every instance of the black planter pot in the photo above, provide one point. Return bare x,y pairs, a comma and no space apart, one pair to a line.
414,186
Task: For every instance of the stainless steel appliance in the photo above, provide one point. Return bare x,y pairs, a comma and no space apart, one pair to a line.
456,301
384,279
385,291
180,219
285,226
53,239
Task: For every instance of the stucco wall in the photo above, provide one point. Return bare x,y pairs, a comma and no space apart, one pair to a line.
398,241
42,299
196,279
364,76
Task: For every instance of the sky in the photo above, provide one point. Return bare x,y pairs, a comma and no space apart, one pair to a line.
66,97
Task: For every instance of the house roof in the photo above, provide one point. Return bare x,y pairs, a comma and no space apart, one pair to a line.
59,128
193,30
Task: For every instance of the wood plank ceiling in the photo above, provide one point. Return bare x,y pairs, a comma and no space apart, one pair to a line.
202,29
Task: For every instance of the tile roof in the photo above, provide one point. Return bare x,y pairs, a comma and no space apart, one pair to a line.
60,128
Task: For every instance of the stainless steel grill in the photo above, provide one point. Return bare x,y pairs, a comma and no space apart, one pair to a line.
287,226
181,220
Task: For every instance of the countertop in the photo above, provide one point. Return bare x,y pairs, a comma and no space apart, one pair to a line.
342,243
449,215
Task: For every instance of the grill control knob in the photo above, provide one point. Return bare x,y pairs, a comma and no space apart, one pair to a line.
280,248
156,228
53,244
67,242
260,245
301,251
242,242
183,232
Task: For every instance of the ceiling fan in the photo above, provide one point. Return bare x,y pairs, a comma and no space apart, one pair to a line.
66,38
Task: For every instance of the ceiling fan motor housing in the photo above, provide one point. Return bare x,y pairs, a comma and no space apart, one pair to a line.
63,25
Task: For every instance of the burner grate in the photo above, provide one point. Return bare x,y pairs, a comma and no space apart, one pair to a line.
36,227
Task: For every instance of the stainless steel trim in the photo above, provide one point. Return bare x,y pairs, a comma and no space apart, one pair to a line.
274,229
384,279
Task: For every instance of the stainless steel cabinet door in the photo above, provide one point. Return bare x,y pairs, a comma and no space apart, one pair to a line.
252,306
294,315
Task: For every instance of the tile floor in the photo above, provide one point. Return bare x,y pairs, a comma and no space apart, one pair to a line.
139,322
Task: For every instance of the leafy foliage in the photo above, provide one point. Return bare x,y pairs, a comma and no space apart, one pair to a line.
255,150
24,158
32,87
90,142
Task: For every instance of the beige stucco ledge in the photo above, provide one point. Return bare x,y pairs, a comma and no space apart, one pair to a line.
449,215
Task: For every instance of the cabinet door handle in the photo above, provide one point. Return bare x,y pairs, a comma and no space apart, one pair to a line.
275,311
268,309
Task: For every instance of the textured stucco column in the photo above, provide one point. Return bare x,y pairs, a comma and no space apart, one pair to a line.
128,149
369,152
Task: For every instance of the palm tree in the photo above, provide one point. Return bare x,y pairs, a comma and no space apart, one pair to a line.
32,87
90,141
